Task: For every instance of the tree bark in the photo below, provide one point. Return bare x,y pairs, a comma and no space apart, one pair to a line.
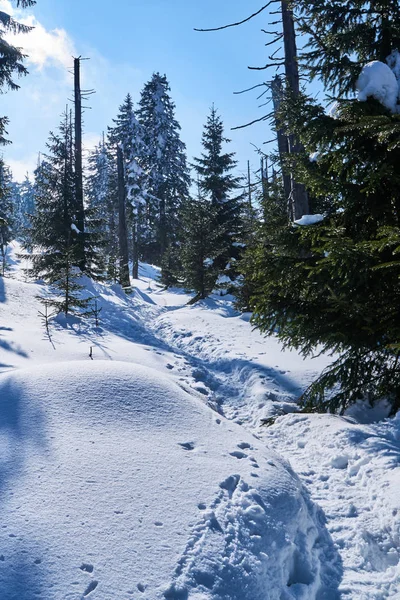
122,230
298,197
135,257
80,211
283,142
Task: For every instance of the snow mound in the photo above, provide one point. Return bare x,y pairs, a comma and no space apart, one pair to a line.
116,483
309,219
378,80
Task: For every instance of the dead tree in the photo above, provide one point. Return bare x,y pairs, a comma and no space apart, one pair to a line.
283,140
122,229
80,211
298,198
288,146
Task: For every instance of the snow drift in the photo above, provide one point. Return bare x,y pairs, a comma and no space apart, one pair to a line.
378,81
116,483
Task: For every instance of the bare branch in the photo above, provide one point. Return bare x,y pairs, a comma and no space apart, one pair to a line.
274,41
264,118
251,88
240,22
263,93
267,66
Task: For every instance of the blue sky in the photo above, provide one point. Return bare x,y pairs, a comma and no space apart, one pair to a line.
127,41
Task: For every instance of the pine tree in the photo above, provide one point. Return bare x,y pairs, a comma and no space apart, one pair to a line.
263,229
217,183
335,285
165,165
6,214
102,197
128,133
11,57
200,247
53,234
343,35
23,200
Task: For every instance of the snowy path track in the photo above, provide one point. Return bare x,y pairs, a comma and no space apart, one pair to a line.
351,470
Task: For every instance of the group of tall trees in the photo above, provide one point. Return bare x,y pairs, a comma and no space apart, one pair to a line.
160,222
333,285
328,284
138,204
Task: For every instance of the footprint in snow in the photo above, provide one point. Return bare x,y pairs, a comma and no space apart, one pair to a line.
186,445
243,445
87,567
90,588
238,454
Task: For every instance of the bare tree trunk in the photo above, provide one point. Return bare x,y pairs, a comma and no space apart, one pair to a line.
298,197
80,211
135,257
122,230
283,142
249,186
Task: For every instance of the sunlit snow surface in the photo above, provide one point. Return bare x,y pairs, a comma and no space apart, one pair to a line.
136,474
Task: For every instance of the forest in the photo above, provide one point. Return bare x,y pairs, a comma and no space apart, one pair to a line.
136,240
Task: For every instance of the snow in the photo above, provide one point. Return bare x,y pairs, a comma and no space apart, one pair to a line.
356,482
309,219
74,228
148,472
393,61
378,80
114,476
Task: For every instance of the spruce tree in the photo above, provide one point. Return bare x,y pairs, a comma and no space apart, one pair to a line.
6,214
165,165
55,252
128,133
102,197
200,247
334,285
220,186
12,58
23,199
344,35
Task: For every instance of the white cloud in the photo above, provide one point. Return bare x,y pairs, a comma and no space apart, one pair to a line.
6,6
21,167
44,48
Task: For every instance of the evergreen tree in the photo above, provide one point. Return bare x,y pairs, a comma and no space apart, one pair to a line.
217,184
343,35
200,247
6,214
23,200
128,133
102,197
335,285
165,165
262,229
53,234
11,57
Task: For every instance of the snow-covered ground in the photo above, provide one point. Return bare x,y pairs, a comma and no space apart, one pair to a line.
148,473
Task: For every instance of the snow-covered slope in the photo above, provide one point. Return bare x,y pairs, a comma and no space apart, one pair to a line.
117,483
130,435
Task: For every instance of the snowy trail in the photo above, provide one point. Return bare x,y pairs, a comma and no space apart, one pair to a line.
350,469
